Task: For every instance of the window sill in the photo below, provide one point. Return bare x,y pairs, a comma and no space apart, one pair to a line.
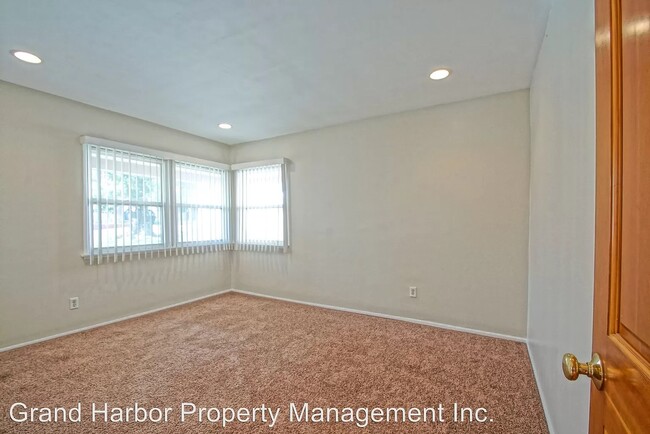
111,258
260,248
108,258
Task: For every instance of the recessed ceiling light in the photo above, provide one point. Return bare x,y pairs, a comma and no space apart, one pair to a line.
25,56
439,74
225,126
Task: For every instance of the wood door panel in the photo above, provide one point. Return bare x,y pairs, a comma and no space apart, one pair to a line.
614,421
628,379
622,252
635,243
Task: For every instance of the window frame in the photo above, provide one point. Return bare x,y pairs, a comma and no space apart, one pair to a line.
286,242
175,206
90,201
170,240
169,236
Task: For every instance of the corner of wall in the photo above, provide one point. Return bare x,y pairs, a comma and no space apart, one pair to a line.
560,245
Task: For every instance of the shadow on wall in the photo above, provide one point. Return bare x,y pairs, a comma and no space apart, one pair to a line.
153,272
266,263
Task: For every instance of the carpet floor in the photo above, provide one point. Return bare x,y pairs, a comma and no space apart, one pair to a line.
238,351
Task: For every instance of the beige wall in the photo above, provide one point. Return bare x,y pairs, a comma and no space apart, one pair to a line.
434,198
41,221
562,210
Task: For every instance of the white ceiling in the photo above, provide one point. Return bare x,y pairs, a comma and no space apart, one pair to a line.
269,67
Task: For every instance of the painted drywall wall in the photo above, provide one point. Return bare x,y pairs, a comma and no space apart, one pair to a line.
434,198
562,211
41,222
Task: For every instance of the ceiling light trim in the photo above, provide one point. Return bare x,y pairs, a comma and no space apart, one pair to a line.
26,56
440,74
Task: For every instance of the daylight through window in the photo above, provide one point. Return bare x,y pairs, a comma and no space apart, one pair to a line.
141,202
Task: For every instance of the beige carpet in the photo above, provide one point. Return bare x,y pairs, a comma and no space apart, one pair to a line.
235,351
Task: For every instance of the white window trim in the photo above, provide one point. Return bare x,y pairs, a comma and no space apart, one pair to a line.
262,163
283,162
165,155
169,201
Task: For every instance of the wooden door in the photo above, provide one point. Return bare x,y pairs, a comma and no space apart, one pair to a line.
622,268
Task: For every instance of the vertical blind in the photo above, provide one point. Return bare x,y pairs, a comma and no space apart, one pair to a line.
125,203
261,208
203,220
140,205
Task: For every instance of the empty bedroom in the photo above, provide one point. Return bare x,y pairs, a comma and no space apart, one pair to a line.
325,216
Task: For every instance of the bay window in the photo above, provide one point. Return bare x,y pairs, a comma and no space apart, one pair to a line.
142,202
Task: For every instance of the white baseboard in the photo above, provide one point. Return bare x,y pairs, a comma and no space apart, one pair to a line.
394,317
325,306
90,327
540,391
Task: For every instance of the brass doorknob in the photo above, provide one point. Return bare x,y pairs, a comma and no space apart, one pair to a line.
593,369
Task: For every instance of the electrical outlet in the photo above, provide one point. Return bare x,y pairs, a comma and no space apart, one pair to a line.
413,291
74,303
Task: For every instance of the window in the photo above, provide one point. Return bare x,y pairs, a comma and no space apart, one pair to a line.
125,200
142,202
201,218
261,207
